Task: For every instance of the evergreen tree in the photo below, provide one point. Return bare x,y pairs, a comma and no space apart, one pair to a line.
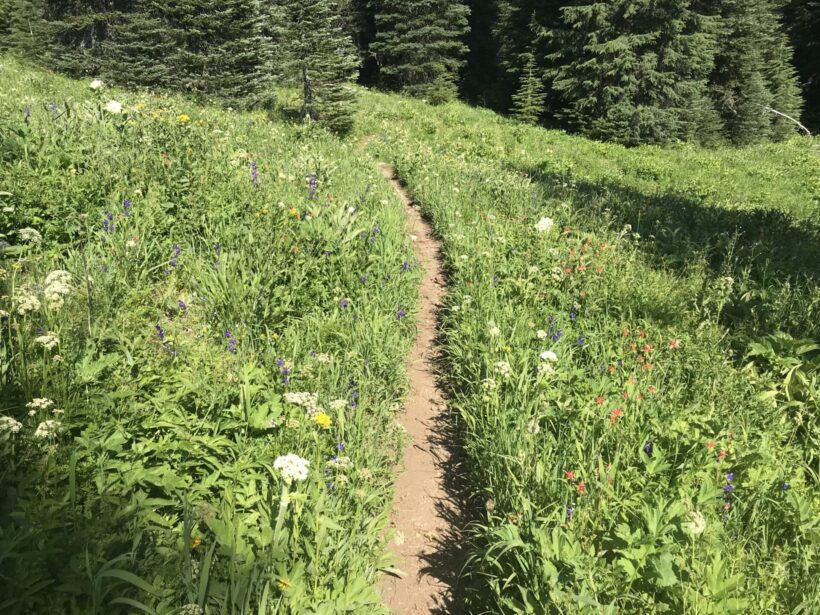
321,59
75,30
483,76
221,51
528,101
633,72
802,20
22,27
419,44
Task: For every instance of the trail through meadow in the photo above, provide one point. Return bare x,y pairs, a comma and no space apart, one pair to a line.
424,513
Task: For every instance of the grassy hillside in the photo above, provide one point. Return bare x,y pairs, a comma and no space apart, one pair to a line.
217,310
190,294
630,343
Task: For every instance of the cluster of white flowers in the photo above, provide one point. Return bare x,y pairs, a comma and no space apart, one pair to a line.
544,224
557,274
30,235
39,403
112,106
541,334
489,384
49,341
48,429
493,329
292,467
26,300
58,285
323,357
697,525
339,463
503,368
306,400
534,427
337,405
191,609
96,84
548,357
9,424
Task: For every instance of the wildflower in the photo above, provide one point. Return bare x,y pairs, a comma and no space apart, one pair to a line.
544,224
294,213
697,525
503,368
49,341
541,334
57,287
580,341
292,467
218,249
191,609
710,445
323,420
344,303
493,329
48,429
114,107
728,488
363,278
96,84
126,207
39,403
9,424
30,235
615,415
313,185
648,448
405,267
54,108
599,400
534,427
183,118
401,313
569,474
549,355
674,344
254,174
783,487
730,477
545,369
182,305
232,342
160,332
489,384
570,511
582,487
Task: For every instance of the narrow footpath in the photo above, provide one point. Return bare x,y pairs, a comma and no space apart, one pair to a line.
424,514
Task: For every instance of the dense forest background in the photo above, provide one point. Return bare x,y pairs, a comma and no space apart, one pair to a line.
645,71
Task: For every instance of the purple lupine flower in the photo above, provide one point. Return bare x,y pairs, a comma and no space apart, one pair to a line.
231,342
558,335
313,185
104,268
40,330
728,488
182,305
344,303
54,108
363,278
126,207
103,239
648,448
730,477
495,280
401,313
174,258
254,174
218,249
160,332
340,447
580,341
785,487
572,315
550,318
280,362
570,511
376,229
405,267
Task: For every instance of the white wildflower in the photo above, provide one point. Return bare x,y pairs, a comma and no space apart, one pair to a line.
489,384
96,84
39,403
339,463
534,426
541,334
337,405
112,106
9,424
533,270
48,429
557,274
131,243
29,235
306,400
545,369
503,368
549,355
26,300
697,525
464,257
493,329
49,341
57,286
292,467
544,224
191,609
323,357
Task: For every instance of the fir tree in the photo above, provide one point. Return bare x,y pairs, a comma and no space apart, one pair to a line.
419,44
632,72
321,59
22,27
802,20
75,30
528,101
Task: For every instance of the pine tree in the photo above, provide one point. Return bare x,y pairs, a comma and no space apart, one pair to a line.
802,20
321,59
632,72
75,30
419,44
528,101
22,27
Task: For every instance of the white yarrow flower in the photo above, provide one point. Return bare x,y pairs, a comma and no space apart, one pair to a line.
503,368
49,341
39,403
26,301
544,224
292,467
96,84
113,106
697,525
48,429
30,235
549,355
9,424
541,334
493,329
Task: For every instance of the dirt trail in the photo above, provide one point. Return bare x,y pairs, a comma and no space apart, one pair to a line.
424,514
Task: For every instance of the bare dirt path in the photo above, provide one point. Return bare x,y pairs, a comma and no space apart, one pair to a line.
425,515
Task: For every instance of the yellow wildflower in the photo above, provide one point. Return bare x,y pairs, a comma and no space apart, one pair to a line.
323,420
294,212
183,119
